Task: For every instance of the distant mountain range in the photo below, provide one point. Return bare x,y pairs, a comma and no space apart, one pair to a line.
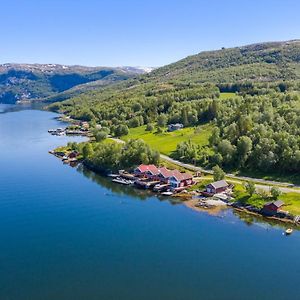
23,82
262,62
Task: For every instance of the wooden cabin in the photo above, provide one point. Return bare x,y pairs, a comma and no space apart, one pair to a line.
178,179
73,154
272,207
216,187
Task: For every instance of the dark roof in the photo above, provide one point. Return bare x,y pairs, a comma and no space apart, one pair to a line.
219,184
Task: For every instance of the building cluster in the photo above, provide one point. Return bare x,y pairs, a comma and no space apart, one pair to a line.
174,178
174,127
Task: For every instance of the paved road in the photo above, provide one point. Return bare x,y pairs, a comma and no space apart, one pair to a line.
265,184
259,183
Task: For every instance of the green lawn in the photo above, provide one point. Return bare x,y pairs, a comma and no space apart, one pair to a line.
226,95
291,200
166,142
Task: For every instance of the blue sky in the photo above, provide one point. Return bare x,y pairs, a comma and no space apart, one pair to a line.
137,33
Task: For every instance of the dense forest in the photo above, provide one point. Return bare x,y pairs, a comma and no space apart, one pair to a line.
256,127
254,132
111,157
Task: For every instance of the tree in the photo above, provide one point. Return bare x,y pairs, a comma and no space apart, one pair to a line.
219,174
214,139
72,145
275,192
184,117
227,151
100,135
186,151
121,130
162,120
136,107
149,127
134,122
216,159
213,109
250,187
87,150
244,146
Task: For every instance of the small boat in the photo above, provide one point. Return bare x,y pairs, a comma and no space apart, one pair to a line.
60,133
289,231
167,193
122,181
161,188
113,175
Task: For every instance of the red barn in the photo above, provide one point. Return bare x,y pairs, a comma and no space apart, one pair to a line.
272,207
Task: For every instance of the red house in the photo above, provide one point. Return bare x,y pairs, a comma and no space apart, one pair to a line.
148,171
73,154
178,179
216,187
174,178
164,174
271,208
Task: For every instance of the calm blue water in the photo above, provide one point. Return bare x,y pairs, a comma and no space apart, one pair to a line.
69,234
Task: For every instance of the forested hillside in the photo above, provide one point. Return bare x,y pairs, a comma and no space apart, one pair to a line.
20,82
263,62
256,124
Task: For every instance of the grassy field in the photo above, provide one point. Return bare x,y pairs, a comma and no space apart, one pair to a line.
226,95
167,142
291,200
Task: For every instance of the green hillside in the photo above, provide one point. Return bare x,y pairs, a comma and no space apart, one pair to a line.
256,63
249,96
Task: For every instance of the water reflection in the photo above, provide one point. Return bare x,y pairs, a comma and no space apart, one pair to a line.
266,223
122,189
6,108
143,195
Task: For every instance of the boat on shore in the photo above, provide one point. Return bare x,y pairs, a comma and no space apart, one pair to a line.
161,188
66,131
122,181
113,175
145,184
167,193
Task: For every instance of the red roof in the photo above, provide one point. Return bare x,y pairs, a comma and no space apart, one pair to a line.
165,172
181,176
144,168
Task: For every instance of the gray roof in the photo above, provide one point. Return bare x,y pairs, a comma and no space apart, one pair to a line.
277,203
219,184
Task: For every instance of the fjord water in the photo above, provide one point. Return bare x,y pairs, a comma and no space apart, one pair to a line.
68,234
